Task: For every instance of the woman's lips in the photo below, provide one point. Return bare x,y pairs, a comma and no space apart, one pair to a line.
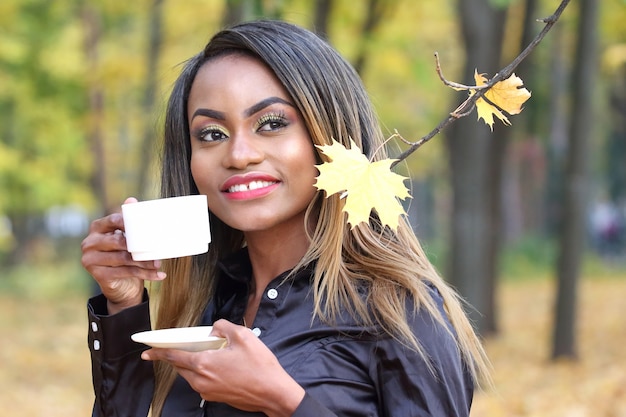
249,186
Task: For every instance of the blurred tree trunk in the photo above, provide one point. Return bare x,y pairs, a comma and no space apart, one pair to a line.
496,165
557,134
93,28
148,142
525,70
572,235
322,16
497,150
471,157
376,11
524,175
237,11
234,12
616,146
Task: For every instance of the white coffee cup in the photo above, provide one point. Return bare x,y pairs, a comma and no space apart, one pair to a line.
167,228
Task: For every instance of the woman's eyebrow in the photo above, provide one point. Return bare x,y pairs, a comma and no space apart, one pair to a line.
263,104
214,114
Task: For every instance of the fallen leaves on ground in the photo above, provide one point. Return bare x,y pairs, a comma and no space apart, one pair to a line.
528,384
46,370
45,367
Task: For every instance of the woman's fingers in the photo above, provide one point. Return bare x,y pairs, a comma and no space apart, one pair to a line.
236,374
106,258
117,264
230,331
107,224
107,273
178,358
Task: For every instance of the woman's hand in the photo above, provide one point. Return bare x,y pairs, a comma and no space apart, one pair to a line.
105,257
244,374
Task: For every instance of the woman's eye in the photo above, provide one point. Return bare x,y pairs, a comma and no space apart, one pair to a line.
212,134
271,123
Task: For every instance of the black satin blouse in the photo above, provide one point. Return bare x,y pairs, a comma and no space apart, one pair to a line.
346,369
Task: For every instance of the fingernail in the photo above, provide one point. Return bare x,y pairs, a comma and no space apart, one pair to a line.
161,275
157,263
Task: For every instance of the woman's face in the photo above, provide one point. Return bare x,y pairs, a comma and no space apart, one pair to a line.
250,151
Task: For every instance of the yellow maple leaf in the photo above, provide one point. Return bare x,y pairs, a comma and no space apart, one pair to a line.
365,185
506,95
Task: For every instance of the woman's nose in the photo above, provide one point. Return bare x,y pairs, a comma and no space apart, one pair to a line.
243,150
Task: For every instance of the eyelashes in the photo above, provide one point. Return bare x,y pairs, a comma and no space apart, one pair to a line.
267,123
211,133
271,121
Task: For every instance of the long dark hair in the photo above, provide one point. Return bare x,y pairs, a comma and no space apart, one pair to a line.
334,105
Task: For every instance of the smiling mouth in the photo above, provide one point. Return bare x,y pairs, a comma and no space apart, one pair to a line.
253,185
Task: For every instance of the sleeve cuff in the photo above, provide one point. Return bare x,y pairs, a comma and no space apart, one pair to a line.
109,335
310,407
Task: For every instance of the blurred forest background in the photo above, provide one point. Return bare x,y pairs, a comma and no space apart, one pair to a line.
527,221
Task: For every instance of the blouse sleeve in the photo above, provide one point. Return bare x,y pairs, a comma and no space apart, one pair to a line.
310,407
409,387
123,383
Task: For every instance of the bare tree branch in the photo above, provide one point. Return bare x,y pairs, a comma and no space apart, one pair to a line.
468,105
452,84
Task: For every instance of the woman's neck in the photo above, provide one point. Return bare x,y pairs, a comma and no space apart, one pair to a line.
270,255
273,253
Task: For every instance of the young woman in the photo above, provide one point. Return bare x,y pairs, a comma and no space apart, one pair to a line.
347,321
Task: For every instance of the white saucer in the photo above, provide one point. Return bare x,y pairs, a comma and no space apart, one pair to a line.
191,339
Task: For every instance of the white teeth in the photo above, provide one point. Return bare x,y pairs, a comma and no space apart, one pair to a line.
254,185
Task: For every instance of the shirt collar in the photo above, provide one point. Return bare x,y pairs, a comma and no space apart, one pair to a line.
237,266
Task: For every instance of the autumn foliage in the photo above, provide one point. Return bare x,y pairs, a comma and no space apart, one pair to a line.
365,185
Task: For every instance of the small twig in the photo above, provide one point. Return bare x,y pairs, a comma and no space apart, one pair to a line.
458,115
452,84
468,105
463,109
382,145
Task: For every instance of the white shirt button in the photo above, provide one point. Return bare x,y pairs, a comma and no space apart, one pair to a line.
256,331
272,293
96,345
94,326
